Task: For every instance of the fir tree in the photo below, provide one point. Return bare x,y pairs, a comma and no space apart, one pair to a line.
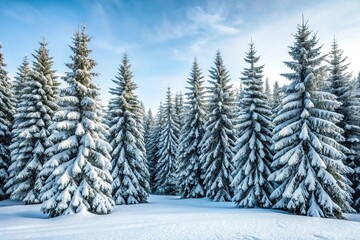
308,154
6,117
253,155
154,146
166,167
189,152
79,166
267,90
340,86
20,79
148,125
35,109
129,169
354,143
219,139
276,97
179,110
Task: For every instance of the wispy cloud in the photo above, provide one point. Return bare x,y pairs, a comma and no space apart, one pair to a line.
23,12
274,33
195,21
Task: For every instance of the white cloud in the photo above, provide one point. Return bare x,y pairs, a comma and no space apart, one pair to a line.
274,34
197,21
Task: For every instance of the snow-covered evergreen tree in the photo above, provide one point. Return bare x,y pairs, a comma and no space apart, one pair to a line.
35,109
276,97
219,139
7,103
166,166
149,122
308,154
129,168
340,86
192,132
267,89
154,146
253,155
179,110
21,77
78,171
354,140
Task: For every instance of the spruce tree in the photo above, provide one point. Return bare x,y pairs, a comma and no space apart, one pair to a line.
19,90
267,89
308,154
148,125
35,109
219,139
179,110
129,168
6,116
21,77
353,138
253,155
341,87
79,163
154,146
189,152
276,97
166,166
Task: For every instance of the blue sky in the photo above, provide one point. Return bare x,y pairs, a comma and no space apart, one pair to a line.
163,36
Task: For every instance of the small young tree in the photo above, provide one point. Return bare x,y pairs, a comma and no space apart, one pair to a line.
166,167
189,152
219,139
35,109
129,168
308,155
6,116
253,155
79,166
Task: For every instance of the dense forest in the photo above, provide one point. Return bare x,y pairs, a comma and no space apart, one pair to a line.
294,147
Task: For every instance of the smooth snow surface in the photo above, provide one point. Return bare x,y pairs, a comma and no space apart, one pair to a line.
168,217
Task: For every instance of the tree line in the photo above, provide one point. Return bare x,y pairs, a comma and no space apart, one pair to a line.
294,147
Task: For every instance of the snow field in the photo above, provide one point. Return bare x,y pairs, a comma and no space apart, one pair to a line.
168,217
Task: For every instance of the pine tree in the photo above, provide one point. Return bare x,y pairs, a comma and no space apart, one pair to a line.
22,76
154,146
129,168
148,125
354,140
276,97
219,139
179,110
189,152
6,117
166,167
308,154
253,155
35,109
340,86
19,90
267,89
79,163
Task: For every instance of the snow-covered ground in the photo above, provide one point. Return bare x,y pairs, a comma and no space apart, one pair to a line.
167,217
